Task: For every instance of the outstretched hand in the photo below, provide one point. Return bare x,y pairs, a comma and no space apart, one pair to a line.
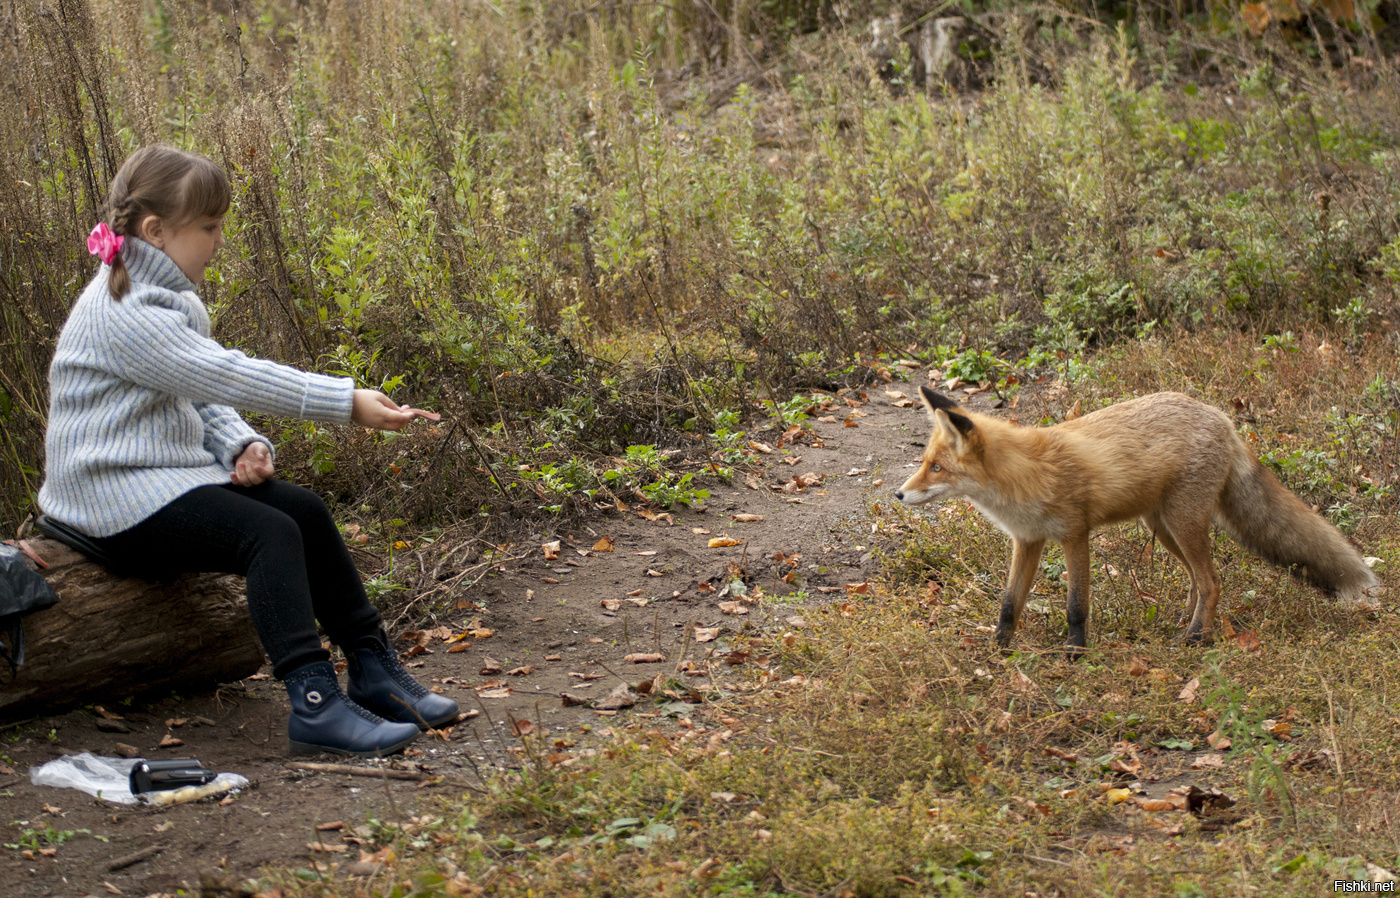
372,408
254,465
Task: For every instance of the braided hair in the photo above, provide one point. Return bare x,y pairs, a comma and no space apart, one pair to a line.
174,185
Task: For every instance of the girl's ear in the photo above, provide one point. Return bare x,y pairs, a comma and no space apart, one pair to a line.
152,230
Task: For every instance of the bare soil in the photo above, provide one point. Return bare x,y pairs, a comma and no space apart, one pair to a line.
559,626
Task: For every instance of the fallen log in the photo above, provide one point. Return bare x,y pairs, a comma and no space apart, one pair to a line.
110,637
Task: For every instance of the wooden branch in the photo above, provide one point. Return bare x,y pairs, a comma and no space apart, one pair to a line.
351,770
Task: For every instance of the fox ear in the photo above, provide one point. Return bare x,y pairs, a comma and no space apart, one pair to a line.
936,402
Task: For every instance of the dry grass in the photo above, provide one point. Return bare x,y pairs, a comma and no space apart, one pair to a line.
887,749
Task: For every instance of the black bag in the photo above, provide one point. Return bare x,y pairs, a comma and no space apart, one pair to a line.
22,591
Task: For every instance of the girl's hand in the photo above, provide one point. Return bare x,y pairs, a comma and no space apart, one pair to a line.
372,408
253,466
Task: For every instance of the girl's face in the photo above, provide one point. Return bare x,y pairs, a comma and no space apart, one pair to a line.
191,247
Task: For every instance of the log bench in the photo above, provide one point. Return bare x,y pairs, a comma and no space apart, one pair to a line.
111,637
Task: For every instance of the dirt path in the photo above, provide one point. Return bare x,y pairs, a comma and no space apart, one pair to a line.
560,625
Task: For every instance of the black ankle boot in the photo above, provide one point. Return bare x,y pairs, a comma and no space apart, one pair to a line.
379,682
325,719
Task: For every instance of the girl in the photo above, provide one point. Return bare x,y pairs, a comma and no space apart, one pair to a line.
147,456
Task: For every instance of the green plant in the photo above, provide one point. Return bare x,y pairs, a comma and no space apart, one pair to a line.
35,838
1243,722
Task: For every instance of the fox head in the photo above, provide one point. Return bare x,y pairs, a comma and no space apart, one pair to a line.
952,458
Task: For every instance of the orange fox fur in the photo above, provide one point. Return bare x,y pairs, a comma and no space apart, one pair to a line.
1172,462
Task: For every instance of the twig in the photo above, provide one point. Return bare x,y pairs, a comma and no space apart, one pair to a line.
613,672
350,770
135,857
490,471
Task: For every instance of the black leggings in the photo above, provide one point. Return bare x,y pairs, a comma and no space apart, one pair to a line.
278,535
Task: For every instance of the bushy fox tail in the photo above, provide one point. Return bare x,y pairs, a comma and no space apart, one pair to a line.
1263,516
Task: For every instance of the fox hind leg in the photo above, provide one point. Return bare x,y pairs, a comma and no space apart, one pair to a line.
1025,560
1158,528
1193,544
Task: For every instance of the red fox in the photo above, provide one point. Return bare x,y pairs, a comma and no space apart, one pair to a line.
1172,462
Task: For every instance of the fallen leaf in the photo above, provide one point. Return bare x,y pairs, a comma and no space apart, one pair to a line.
551,550
490,666
503,692
748,518
169,741
521,671
483,633
522,727
860,589
1188,693
1205,762
1138,667
332,848
1154,804
699,531
652,573
1248,641
604,544
720,542
644,657
611,604
1132,768
732,608
635,592
622,696
572,701
760,447
1217,741
706,634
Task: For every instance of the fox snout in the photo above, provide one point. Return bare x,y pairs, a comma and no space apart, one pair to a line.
912,493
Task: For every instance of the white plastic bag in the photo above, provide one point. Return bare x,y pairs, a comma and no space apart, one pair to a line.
110,780
107,778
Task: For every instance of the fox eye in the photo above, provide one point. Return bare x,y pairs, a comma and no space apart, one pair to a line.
935,467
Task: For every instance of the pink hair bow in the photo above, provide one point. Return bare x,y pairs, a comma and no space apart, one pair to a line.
103,244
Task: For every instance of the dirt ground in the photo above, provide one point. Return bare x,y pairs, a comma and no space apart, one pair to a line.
558,626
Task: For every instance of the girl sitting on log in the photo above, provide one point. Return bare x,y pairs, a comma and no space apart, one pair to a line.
146,455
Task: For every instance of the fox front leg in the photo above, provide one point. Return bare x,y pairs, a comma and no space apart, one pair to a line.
1025,560
1077,611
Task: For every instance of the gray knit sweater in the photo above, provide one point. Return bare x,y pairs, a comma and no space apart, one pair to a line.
141,400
